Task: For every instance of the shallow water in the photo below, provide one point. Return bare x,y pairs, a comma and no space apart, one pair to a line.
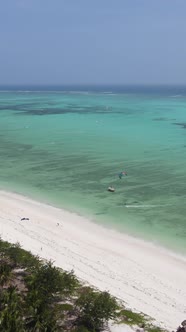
66,148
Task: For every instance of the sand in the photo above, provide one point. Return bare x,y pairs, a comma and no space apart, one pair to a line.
145,277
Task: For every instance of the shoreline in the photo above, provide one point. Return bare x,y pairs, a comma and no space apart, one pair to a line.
147,278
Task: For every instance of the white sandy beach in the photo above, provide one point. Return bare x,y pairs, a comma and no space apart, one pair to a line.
147,278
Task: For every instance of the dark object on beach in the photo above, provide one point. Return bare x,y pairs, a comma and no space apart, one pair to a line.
141,328
24,219
111,189
182,327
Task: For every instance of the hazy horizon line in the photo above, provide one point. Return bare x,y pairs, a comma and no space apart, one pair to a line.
93,85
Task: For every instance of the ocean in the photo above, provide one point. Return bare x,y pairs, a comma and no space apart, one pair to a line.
66,145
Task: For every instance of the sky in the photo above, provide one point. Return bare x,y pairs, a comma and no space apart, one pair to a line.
82,42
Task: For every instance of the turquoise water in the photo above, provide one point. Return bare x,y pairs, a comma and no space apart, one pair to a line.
66,148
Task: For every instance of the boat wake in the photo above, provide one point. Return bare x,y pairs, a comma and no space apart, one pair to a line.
143,206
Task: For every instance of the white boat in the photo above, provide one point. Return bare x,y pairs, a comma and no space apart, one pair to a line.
111,189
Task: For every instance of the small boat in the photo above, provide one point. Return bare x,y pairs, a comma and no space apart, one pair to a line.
111,189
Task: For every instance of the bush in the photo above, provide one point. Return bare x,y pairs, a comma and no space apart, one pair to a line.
4,245
11,311
69,283
95,309
47,280
81,329
132,318
20,256
5,271
46,285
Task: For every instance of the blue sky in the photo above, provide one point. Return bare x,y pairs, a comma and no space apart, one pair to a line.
92,41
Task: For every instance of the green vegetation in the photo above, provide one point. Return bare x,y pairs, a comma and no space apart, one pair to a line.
95,309
129,317
10,311
132,318
5,271
36,296
152,328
